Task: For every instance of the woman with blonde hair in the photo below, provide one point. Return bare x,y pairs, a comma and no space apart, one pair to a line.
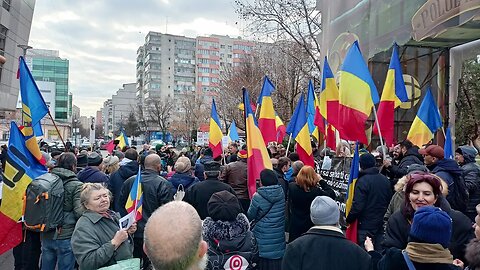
307,187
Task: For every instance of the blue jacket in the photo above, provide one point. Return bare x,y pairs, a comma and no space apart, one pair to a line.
186,179
92,175
270,229
451,173
116,182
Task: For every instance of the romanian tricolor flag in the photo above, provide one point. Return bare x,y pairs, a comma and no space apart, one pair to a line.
34,109
357,95
394,93
257,155
21,167
352,229
331,138
448,146
281,129
215,136
266,119
301,134
135,198
329,96
311,108
427,121
122,139
232,132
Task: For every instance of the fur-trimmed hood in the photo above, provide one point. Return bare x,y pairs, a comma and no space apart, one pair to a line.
225,230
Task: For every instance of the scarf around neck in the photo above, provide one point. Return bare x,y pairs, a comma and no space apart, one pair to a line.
428,253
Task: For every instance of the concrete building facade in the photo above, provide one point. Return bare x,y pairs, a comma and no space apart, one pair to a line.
116,110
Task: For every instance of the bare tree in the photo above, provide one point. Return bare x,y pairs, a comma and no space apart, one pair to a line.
296,20
158,112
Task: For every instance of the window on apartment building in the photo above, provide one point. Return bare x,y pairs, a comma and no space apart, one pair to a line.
3,38
6,4
222,46
229,56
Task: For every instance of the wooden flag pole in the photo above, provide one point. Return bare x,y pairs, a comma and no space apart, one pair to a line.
379,133
58,131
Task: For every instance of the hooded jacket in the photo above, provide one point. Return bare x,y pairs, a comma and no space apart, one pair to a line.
72,208
471,175
449,171
270,227
92,175
117,179
228,238
186,179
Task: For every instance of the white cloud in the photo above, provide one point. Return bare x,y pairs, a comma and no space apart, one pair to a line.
100,39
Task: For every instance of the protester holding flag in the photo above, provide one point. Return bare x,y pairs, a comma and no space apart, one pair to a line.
156,192
56,244
97,240
370,201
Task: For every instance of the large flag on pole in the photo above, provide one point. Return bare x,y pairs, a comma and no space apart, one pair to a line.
21,167
232,132
357,96
257,155
34,109
281,129
215,135
266,119
122,139
301,134
427,121
329,96
311,100
394,93
135,197
352,229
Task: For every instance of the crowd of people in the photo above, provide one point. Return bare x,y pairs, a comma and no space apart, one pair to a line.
413,208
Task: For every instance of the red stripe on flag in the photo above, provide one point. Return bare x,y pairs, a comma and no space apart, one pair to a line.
216,149
267,128
255,165
10,233
331,139
304,156
386,114
332,112
352,232
352,125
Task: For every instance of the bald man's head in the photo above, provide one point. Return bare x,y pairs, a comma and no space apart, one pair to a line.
173,237
152,162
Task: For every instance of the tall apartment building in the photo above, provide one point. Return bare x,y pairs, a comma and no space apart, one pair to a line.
170,65
115,111
47,66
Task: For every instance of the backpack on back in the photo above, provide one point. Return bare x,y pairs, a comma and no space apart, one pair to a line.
43,203
460,195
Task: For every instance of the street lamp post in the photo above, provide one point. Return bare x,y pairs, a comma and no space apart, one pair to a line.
24,47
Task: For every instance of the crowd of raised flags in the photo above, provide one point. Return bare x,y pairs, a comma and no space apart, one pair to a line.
337,111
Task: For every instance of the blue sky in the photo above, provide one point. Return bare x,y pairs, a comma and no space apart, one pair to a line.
100,38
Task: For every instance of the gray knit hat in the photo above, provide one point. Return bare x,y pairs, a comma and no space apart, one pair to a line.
324,211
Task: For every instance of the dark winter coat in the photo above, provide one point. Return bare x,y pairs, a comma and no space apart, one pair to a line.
270,227
371,198
199,194
398,229
449,171
411,157
282,181
200,168
228,238
299,203
324,249
235,174
394,260
91,241
156,192
72,207
471,175
186,179
92,175
116,182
